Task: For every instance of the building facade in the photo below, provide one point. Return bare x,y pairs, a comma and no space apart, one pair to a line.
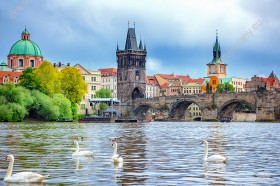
109,80
217,67
8,75
25,53
192,86
93,79
238,83
264,83
152,87
131,82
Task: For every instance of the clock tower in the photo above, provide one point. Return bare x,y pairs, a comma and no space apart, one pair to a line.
217,67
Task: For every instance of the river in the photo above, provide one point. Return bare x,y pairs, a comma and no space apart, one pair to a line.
155,153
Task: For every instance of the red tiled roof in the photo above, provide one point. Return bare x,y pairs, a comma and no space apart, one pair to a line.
151,80
165,85
108,72
199,80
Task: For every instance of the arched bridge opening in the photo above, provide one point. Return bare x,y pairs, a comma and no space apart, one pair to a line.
143,112
237,110
185,110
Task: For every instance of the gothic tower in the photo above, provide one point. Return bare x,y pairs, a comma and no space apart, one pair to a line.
217,67
131,82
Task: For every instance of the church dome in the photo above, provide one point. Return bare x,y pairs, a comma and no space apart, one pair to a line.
25,46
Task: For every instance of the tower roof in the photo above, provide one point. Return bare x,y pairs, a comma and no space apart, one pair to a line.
272,75
131,42
217,52
25,47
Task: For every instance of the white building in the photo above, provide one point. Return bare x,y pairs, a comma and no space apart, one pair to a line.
152,87
238,83
192,86
109,80
93,79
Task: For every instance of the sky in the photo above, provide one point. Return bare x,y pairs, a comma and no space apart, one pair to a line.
179,34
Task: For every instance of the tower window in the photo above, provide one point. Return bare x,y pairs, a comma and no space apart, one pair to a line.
32,63
20,62
137,76
11,63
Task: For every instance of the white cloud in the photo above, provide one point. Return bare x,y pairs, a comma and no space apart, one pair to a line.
153,66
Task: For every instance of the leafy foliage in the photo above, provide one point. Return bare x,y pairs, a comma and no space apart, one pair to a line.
103,93
225,87
64,105
43,107
73,85
15,102
28,79
48,78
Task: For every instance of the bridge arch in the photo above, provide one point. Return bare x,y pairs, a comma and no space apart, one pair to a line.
228,108
179,108
277,113
141,111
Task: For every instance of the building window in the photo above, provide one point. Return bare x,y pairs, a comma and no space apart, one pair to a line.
11,63
84,77
16,80
92,96
137,76
93,78
20,62
32,63
93,87
6,79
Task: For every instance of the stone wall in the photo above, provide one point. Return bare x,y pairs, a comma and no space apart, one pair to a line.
244,117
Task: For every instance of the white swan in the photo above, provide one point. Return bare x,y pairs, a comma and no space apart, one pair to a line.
27,177
81,153
116,157
213,158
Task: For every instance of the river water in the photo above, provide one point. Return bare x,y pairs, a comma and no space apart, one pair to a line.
155,153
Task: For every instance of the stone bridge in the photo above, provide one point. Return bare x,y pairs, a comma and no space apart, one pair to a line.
265,105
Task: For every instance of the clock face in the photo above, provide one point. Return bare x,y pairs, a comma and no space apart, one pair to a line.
213,69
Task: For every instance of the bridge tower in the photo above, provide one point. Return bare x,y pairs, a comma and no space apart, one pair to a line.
131,81
217,67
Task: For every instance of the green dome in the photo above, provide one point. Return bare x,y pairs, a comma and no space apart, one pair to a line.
25,32
25,47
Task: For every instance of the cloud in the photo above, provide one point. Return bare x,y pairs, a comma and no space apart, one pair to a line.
153,66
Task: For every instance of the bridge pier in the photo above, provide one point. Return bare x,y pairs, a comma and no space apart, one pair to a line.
209,115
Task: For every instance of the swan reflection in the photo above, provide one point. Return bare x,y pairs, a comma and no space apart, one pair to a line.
81,160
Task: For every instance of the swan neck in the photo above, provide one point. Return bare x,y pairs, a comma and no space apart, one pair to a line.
10,169
205,151
77,147
115,148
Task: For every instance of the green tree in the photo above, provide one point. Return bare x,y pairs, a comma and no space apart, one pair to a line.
103,93
44,107
15,102
73,85
48,78
28,80
64,105
225,87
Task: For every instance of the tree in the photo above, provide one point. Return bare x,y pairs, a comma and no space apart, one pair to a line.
28,80
103,93
73,85
43,107
15,102
64,105
48,78
225,87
